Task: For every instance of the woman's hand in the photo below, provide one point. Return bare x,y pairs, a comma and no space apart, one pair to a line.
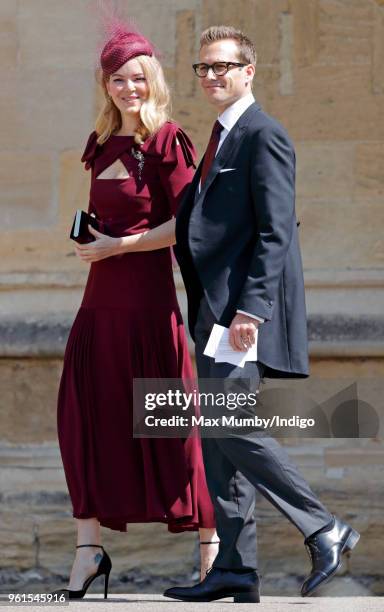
104,246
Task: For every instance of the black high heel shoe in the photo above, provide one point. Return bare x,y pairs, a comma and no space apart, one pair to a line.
104,569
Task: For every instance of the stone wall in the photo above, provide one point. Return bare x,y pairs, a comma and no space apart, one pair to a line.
321,73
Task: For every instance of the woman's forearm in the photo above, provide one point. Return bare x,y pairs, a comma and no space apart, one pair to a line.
156,238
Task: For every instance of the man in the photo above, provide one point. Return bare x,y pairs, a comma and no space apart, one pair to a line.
238,250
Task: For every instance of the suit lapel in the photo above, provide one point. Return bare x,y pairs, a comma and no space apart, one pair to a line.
231,141
226,149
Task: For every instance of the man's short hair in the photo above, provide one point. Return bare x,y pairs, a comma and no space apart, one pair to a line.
247,51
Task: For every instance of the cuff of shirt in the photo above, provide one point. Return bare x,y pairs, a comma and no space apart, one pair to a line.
251,315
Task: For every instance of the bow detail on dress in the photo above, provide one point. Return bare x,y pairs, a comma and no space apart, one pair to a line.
90,151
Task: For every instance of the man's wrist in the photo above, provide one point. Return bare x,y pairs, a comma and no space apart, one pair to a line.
250,315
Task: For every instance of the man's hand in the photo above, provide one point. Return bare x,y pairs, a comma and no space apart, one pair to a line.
242,332
104,246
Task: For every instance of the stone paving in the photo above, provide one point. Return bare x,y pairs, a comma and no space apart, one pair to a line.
157,603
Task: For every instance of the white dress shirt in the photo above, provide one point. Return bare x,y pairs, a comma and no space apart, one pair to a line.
232,114
228,119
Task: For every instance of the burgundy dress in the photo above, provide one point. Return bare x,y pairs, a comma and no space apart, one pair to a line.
129,325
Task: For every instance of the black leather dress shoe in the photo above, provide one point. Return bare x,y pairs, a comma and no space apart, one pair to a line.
220,583
325,550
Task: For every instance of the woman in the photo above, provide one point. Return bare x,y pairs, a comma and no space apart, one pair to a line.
129,324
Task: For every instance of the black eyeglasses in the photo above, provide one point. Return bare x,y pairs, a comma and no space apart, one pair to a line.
219,68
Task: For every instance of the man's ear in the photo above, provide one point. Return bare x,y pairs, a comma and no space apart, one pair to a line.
250,71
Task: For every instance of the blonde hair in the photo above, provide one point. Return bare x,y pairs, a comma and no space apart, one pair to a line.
154,111
247,51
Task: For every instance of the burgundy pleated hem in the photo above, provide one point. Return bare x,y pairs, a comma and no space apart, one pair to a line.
175,525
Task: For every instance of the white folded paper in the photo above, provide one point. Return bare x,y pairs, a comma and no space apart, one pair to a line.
218,347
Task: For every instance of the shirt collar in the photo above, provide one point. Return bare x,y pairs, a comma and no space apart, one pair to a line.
232,114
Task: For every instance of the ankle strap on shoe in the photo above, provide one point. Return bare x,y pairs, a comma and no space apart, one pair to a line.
213,542
94,545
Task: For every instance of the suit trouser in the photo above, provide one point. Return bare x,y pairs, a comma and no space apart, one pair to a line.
237,464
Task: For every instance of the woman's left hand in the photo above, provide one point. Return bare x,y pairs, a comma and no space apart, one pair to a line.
104,246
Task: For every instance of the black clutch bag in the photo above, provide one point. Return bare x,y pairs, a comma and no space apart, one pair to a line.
80,232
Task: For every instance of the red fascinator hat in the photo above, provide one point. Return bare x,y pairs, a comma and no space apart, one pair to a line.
120,40
121,47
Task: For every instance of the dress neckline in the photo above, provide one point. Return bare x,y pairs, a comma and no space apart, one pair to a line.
122,135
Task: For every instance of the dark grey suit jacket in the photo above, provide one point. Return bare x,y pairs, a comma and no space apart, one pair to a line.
237,241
